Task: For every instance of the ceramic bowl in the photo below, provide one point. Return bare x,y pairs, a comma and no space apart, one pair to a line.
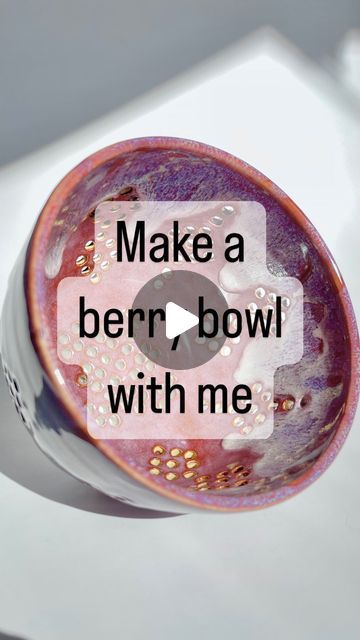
315,400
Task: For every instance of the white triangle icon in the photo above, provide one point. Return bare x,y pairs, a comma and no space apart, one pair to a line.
178,320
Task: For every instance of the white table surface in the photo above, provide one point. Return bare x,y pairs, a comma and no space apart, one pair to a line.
73,564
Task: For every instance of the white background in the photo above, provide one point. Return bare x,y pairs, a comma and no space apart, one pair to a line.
74,565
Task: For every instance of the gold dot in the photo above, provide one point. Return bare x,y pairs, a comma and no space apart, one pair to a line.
158,449
222,474
171,476
240,483
202,485
288,404
233,465
90,245
188,455
238,469
221,480
221,486
203,488
80,261
171,464
155,462
85,271
82,380
189,474
192,464
154,471
202,478
175,452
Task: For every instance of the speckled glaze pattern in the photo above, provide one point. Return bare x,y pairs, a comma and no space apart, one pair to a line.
323,386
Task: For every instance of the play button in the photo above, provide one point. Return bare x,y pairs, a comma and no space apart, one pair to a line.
178,320
174,299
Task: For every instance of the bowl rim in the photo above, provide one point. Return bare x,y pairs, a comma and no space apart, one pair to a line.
42,228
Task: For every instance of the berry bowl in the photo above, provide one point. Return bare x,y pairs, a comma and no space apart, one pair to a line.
314,400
